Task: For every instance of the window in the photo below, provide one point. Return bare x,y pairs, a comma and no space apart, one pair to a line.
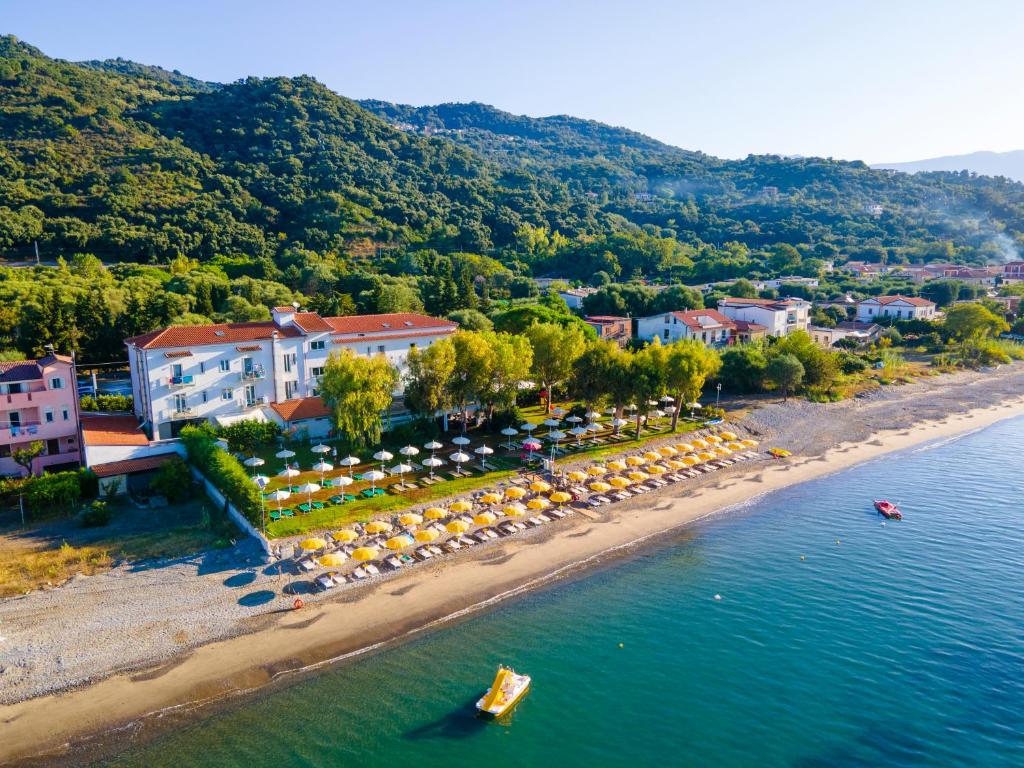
225,365
666,319
180,404
203,393
288,360
227,394
250,395
48,415
176,370
290,389
412,345
56,383
666,333
313,345
14,417
316,371
202,367
15,389
380,348
64,414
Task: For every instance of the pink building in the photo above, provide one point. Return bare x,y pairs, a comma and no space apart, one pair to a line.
39,402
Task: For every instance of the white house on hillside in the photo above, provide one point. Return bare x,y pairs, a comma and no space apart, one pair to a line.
897,307
232,371
780,316
707,325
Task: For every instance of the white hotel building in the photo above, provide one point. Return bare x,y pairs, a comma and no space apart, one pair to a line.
264,370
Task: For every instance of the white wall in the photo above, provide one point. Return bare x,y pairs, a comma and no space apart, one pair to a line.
104,454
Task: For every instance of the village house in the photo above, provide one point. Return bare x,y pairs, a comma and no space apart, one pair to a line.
863,333
706,325
611,327
573,297
232,371
896,307
780,317
39,403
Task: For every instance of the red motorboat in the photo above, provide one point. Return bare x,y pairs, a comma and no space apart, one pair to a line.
888,510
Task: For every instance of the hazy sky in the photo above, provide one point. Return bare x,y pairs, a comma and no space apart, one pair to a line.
879,81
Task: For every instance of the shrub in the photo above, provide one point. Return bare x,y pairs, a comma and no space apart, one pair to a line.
52,491
172,480
107,403
88,484
94,515
850,364
248,435
223,470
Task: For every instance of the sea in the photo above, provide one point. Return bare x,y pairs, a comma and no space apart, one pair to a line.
797,630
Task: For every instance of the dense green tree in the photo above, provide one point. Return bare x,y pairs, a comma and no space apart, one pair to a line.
786,373
555,350
358,390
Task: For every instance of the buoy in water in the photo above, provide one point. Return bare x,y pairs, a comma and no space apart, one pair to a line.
802,557
621,645
718,597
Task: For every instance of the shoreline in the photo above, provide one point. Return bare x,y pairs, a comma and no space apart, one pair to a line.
357,622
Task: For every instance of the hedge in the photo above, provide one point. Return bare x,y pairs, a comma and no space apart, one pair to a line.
223,470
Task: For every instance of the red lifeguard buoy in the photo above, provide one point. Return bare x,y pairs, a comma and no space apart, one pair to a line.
298,603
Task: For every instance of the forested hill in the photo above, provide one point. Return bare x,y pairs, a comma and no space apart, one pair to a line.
137,163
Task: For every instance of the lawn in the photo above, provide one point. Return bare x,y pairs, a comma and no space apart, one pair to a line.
50,552
502,465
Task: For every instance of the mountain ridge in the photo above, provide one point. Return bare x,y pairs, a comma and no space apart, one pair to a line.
1009,164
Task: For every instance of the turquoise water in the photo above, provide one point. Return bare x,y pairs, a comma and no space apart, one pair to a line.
837,641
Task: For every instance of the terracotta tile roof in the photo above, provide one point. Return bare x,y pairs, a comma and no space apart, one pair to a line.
104,429
178,353
130,466
776,304
20,370
912,300
249,348
389,324
311,322
604,318
200,335
702,319
304,408
748,327
385,336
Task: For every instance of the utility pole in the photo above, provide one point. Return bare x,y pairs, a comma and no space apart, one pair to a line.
36,244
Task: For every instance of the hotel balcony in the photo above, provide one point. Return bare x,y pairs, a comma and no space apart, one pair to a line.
21,399
181,381
184,413
253,374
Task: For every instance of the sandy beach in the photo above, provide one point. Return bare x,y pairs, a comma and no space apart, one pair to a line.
254,645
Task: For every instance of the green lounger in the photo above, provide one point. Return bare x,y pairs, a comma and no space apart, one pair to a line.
318,505
303,508
275,516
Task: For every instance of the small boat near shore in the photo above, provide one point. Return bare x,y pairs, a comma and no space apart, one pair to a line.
505,692
888,510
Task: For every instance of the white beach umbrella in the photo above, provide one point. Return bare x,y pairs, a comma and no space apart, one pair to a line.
322,467
559,411
409,450
528,426
279,495
556,435
552,423
433,462
652,403
693,406
400,469
667,399
254,461
383,456
631,407
309,489
288,473
573,419
595,415
459,458
284,454
461,440
617,423
510,432
373,476
610,411
342,481
594,427
579,432
349,461
483,452
321,448
433,445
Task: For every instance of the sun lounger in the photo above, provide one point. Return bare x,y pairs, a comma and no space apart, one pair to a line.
306,564
328,483
303,508
274,516
324,581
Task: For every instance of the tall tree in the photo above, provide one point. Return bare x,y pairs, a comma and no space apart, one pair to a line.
474,362
511,358
786,372
688,364
358,390
555,350
428,380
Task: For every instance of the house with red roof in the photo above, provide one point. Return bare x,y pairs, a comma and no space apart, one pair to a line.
39,403
896,307
706,325
229,372
780,317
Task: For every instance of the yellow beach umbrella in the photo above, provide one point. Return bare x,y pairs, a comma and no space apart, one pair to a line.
410,518
345,535
435,513
713,439
596,470
538,503
514,510
457,526
484,518
397,542
690,460
619,482
634,461
656,469
684,447
699,443
705,456
616,465
667,450
540,486
313,543
675,464
514,492
600,486
638,476
460,506
722,450
576,475
735,445
490,498
426,534
560,497
332,559
652,456
749,443
726,435
364,553
378,526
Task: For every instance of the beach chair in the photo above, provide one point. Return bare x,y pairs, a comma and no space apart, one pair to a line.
274,516
337,499
349,497
366,493
318,505
303,508
286,512
328,483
